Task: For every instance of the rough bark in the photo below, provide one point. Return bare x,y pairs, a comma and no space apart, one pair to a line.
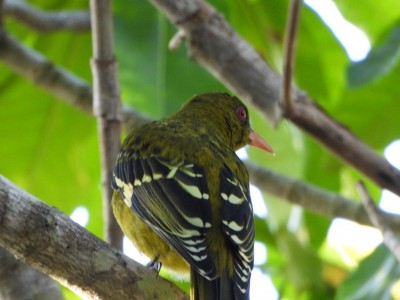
48,240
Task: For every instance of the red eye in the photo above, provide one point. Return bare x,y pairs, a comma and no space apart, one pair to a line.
241,113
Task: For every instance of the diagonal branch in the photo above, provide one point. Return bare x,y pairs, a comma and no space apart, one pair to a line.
312,198
344,144
54,79
18,280
49,241
46,21
43,73
380,221
232,60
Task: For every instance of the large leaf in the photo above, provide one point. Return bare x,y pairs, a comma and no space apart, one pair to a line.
303,269
378,63
262,24
51,149
323,170
321,61
372,279
373,17
154,79
371,111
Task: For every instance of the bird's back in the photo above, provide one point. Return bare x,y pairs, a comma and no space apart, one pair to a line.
184,182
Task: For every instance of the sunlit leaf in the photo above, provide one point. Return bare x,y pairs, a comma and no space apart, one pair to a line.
374,17
372,279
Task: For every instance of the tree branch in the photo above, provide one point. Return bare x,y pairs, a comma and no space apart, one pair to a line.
390,239
44,73
49,241
214,44
56,80
344,144
289,54
20,281
106,108
46,21
312,198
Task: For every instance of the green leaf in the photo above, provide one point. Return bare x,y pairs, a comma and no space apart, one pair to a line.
323,170
303,269
372,279
320,61
378,63
371,111
263,233
51,149
261,23
153,79
373,17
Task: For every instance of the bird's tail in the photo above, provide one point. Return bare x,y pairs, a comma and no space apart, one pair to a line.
203,289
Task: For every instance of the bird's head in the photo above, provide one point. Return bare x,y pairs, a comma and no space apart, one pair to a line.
228,115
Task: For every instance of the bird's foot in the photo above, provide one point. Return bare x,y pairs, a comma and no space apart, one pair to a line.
155,265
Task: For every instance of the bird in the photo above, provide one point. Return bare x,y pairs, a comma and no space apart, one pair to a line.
181,194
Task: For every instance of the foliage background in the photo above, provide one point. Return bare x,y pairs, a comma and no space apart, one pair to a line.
51,149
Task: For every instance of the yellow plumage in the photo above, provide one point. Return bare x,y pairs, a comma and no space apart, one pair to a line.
182,194
145,239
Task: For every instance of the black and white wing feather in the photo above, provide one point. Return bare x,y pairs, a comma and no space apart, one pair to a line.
238,225
172,198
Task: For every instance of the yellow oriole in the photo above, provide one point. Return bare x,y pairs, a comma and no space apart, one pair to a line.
182,195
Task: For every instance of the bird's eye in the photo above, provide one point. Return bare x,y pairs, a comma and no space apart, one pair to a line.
241,113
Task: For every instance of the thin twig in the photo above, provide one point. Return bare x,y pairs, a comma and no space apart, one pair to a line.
47,21
289,55
106,107
390,239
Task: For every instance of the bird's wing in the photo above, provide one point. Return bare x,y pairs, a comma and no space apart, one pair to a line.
172,198
238,225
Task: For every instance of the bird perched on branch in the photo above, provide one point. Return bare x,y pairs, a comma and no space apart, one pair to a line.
182,195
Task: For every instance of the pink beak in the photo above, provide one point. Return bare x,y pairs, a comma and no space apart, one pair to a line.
257,141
